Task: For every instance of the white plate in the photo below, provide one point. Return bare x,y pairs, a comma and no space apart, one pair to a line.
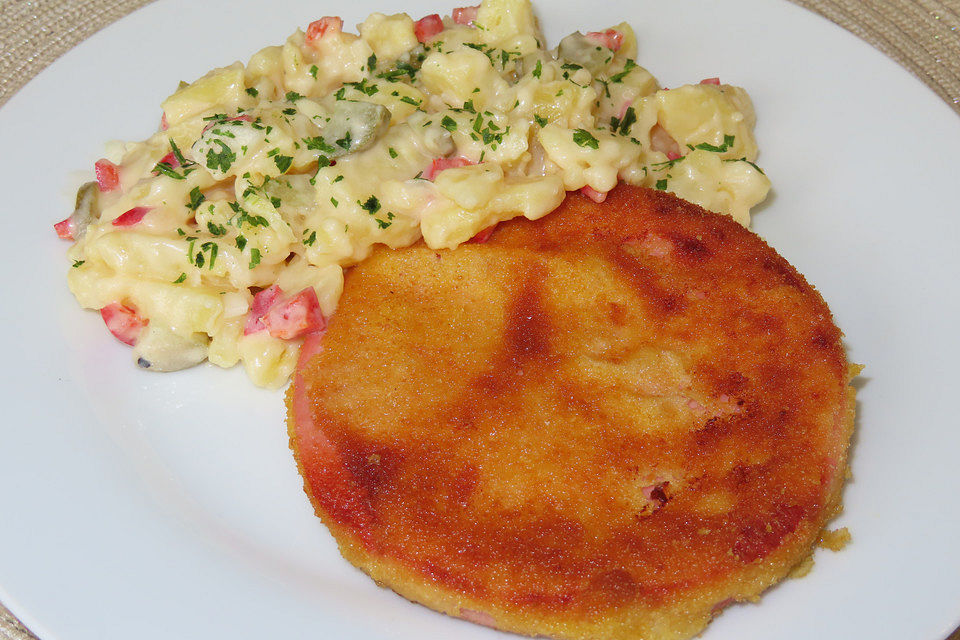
137,505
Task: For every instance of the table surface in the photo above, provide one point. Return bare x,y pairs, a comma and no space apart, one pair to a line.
921,35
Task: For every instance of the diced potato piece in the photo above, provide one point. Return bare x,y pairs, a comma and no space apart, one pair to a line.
560,101
389,36
702,114
587,160
470,187
339,58
508,24
224,350
454,76
222,89
479,196
140,255
266,63
268,360
327,281
186,310
531,198
731,187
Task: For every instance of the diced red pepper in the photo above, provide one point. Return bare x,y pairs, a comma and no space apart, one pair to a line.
427,27
296,316
261,304
170,159
131,217
318,28
484,235
64,229
123,322
442,164
611,38
593,194
715,81
108,175
466,15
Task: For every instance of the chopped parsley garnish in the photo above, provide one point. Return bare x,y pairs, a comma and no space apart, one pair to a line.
623,126
344,142
242,215
661,184
505,57
334,202
402,69
629,66
340,93
318,144
448,123
77,263
393,152
309,240
747,161
289,112
241,242
253,92
363,87
196,199
313,71
221,160
629,118
538,70
490,133
254,257
371,206
585,139
210,248
727,143
410,101
282,162
540,120
167,170
337,179
182,278
372,62
179,156
216,229
293,96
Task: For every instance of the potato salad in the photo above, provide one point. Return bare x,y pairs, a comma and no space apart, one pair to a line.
224,236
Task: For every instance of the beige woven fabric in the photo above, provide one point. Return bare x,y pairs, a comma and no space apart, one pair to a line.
922,35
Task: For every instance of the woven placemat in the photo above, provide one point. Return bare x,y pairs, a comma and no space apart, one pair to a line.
922,35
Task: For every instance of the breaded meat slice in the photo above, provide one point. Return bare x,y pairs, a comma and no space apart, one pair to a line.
608,423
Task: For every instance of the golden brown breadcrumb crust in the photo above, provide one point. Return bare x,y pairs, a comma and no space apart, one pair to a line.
609,423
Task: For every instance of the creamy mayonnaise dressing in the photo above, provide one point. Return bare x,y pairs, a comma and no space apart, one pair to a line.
224,236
